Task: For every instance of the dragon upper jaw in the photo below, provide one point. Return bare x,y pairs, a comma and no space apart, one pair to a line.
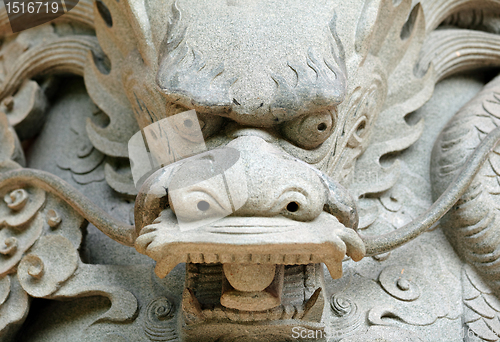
275,240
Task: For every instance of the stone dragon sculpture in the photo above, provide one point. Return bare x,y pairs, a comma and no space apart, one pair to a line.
307,102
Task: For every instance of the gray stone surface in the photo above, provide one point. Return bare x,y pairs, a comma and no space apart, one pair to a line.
335,177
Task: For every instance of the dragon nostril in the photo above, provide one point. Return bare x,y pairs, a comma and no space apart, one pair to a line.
188,123
292,207
203,205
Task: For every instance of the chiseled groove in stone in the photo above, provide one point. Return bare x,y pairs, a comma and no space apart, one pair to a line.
218,312
83,12
286,259
293,286
205,281
455,50
437,11
66,54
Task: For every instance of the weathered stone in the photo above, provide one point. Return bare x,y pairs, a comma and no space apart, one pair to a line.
318,170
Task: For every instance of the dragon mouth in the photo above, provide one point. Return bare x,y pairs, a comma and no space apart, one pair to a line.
203,212
253,225
247,240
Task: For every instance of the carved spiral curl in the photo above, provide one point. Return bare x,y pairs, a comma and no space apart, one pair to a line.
400,283
159,324
346,315
52,261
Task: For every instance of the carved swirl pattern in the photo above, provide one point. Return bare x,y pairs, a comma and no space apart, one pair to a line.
50,263
400,284
20,224
159,324
346,315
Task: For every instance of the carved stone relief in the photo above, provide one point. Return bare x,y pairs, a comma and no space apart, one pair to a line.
178,170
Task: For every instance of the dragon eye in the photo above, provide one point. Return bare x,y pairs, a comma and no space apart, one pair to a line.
203,205
309,131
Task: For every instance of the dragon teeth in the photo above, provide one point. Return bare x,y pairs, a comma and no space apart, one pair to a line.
167,263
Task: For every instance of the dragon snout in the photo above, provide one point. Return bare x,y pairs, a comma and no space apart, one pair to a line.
247,203
247,178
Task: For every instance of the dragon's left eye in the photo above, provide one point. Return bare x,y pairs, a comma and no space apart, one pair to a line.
309,131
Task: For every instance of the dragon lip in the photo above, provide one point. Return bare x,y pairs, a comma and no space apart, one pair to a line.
252,225
262,240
